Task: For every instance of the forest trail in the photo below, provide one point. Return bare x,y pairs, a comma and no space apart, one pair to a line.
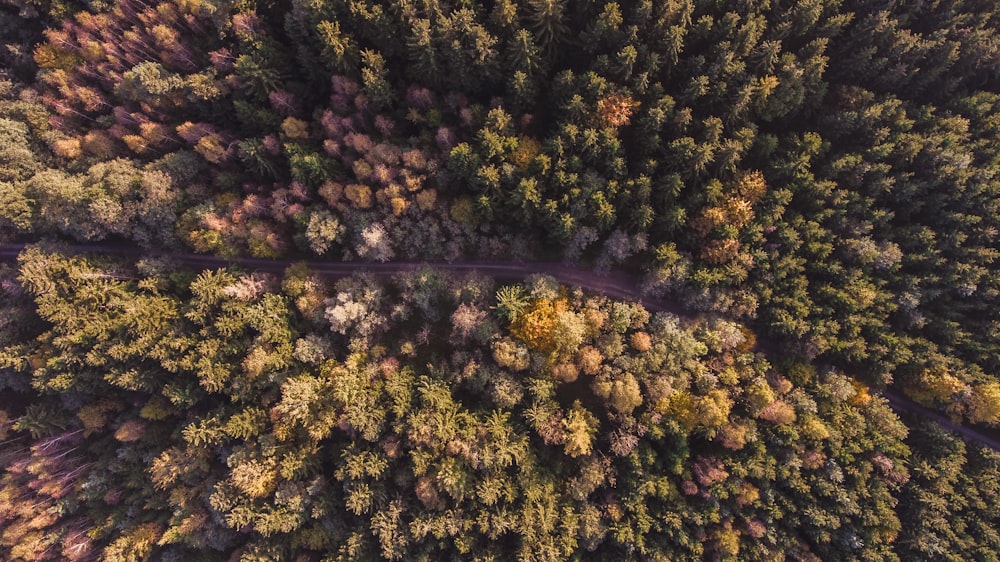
619,285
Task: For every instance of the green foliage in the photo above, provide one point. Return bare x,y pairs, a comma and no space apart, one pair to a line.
375,79
953,486
511,301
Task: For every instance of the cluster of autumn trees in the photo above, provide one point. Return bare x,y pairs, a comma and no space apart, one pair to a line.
181,414
825,167
822,171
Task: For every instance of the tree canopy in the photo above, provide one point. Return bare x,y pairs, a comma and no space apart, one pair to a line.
814,181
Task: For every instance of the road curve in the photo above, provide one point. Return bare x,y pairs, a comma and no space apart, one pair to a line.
900,403
619,285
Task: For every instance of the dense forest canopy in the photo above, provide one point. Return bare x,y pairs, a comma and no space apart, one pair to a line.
424,418
818,176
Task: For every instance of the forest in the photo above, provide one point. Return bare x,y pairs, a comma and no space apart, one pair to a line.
816,183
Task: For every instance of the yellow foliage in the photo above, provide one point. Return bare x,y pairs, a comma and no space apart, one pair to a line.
28,545
735,211
732,436
507,353
536,326
165,37
747,495
594,319
681,407
399,205
68,148
94,416
413,182
984,406
752,186
527,149
936,387
727,542
759,396
155,133
362,170
206,241
295,128
739,211
766,85
814,428
91,99
384,196
52,58
359,195
580,427
712,410
189,131
711,218
862,395
134,544
254,478
135,143
729,376
625,394
211,149
864,295
92,51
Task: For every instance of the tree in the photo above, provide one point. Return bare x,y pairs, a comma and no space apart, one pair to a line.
322,231
581,427
547,17
511,301
355,308
374,243
375,78
985,404
466,321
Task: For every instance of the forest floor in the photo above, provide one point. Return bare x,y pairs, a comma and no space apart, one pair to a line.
619,285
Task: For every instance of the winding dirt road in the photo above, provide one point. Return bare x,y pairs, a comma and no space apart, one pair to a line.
619,285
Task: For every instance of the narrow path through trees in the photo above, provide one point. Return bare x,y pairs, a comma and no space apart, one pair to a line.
617,284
